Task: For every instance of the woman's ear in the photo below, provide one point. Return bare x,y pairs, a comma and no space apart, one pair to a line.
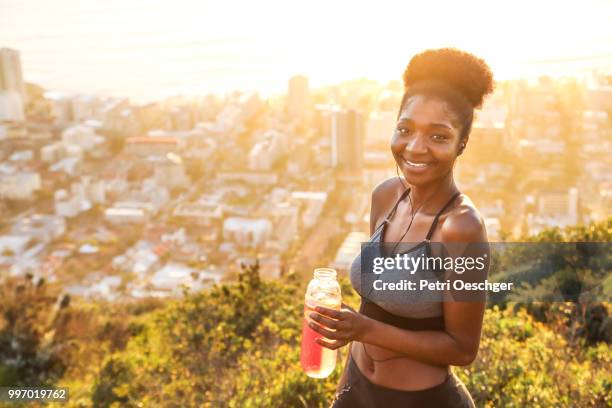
462,145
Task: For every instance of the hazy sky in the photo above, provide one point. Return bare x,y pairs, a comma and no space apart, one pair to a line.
149,48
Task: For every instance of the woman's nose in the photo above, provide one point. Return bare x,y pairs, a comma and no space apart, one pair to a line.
416,145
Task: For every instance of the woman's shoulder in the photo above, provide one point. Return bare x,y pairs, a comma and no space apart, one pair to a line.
463,223
384,195
388,189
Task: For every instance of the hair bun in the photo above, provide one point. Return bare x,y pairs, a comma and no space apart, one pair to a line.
462,71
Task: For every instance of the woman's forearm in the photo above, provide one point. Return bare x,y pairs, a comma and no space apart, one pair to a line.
432,347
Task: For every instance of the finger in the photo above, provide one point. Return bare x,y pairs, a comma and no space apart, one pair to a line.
325,321
345,306
332,345
336,314
323,331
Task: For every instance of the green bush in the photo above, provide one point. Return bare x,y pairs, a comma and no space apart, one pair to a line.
523,362
238,345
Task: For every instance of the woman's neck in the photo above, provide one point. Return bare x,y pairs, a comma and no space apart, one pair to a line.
430,197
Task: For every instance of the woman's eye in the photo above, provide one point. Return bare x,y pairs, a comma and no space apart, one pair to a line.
438,138
403,131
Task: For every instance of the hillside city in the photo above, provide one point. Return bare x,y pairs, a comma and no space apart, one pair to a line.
117,200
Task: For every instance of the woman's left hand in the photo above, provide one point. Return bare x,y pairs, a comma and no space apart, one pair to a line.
341,326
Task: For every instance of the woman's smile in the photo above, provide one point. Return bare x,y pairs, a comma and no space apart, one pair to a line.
417,165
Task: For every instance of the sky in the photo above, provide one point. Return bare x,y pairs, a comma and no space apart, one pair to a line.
148,49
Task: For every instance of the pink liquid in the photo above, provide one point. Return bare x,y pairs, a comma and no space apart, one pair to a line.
317,361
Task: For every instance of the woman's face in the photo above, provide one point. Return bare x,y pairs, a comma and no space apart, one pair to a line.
425,143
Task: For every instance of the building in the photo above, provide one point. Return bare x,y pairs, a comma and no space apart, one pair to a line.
43,228
493,226
120,118
232,117
311,205
347,131
85,107
554,209
11,74
148,146
19,186
348,250
93,190
172,276
83,136
139,259
322,119
200,148
487,139
170,172
60,107
379,128
70,204
53,152
267,178
343,134
301,163
122,213
181,118
11,107
285,219
559,203
599,93
21,156
199,213
247,232
151,195
298,97
80,198
11,245
358,208
270,266
69,165
268,150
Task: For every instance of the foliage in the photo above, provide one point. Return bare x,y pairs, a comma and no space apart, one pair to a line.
523,362
556,266
238,345
32,348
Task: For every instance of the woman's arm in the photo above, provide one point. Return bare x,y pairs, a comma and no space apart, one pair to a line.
457,344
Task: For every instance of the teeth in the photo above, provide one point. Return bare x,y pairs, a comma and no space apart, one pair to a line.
421,165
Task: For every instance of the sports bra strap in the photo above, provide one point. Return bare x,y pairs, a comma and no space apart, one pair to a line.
392,212
435,221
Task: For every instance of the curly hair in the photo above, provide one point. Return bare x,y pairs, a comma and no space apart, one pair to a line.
458,77
462,71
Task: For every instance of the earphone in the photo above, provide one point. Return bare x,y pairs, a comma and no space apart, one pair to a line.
461,147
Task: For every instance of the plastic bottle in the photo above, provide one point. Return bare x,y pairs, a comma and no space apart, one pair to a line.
323,290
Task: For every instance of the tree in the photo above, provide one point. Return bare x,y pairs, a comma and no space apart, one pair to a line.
33,348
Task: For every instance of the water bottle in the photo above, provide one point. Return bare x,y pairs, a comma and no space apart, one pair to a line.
323,290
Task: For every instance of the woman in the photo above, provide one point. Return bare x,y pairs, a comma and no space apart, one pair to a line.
401,349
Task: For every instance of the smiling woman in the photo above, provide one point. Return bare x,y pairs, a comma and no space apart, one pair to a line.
402,347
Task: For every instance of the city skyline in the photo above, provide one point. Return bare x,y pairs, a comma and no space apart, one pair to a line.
154,50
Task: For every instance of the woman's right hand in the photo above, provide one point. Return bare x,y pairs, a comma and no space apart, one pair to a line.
345,306
339,327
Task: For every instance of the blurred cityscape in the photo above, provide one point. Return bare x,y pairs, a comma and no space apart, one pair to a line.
116,200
